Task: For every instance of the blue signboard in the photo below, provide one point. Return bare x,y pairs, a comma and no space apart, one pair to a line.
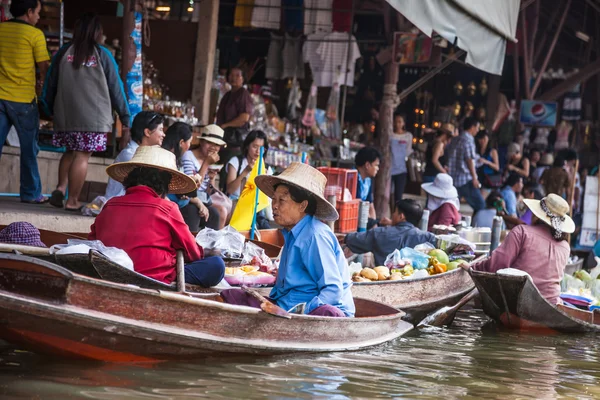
538,113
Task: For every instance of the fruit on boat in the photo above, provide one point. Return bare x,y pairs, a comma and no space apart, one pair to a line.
369,273
383,273
453,265
582,275
439,255
397,276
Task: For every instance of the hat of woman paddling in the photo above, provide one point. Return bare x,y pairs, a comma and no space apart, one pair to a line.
553,210
22,233
306,178
442,187
154,157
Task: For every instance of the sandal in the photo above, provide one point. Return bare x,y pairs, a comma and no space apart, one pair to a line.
39,200
57,199
75,209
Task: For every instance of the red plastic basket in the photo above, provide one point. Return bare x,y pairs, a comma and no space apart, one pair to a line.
348,211
338,180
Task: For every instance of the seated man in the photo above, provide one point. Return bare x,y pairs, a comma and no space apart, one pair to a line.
150,228
384,240
367,164
146,130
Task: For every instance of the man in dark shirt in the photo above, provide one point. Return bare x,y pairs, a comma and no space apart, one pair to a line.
384,240
236,106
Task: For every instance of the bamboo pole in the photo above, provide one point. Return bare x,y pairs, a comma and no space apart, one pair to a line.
526,57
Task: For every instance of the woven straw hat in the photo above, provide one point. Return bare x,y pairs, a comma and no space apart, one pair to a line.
442,187
154,157
557,206
214,134
303,177
448,127
547,159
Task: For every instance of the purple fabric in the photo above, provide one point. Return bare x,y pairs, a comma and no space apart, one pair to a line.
240,298
21,233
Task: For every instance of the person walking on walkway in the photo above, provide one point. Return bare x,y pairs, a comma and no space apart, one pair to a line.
401,145
22,48
462,156
82,90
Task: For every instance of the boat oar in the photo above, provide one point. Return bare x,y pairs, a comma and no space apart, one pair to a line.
445,315
266,305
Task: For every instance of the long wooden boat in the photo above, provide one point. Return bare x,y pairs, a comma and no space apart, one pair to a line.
48,309
418,297
516,303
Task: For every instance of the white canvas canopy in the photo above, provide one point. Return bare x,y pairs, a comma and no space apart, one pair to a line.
480,27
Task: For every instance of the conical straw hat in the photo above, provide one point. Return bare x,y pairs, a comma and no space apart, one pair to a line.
306,178
154,157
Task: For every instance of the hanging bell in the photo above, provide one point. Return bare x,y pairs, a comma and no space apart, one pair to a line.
471,89
469,107
458,88
481,113
483,87
457,108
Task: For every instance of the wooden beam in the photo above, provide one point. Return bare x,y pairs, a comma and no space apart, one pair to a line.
540,48
534,30
584,74
517,74
538,81
593,5
526,57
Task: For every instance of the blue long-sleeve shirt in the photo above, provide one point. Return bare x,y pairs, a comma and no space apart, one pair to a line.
312,269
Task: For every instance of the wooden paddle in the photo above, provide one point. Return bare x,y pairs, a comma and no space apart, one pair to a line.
26,250
445,315
266,305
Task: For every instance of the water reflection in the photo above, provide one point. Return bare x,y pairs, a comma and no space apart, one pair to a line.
469,360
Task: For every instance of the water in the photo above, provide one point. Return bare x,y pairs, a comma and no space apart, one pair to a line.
469,360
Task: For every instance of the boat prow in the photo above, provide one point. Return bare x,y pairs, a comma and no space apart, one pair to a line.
51,310
516,303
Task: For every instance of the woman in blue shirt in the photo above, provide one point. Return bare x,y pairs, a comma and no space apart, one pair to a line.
312,270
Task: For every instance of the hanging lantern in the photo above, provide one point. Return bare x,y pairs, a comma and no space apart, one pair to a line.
457,108
458,88
481,113
483,87
471,89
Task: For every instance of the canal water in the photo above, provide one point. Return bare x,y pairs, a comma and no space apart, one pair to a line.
472,359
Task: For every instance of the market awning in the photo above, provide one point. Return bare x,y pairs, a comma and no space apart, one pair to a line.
481,27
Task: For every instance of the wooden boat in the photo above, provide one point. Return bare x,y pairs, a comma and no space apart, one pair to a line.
48,309
418,297
516,303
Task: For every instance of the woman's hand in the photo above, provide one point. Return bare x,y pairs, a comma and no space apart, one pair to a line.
203,211
212,158
198,179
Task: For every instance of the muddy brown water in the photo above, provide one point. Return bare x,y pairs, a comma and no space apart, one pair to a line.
473,359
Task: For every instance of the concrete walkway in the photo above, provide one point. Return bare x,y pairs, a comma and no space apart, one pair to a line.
43,216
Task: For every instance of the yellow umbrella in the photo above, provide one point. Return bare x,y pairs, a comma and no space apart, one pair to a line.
243,214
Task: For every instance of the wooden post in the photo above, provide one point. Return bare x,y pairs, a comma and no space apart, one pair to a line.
526,58
204,62
517,74
563,18
534,30
128,50
540,47
386,127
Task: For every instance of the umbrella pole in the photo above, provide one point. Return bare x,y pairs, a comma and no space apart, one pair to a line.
253,229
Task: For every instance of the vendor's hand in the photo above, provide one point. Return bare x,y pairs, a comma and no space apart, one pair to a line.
385,222
347,252
203,211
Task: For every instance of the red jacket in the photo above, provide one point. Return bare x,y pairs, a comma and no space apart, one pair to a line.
149,229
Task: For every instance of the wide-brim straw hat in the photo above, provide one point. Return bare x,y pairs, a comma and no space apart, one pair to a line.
303,177
448,128
547,159
557,206
154,157
213,133
442,187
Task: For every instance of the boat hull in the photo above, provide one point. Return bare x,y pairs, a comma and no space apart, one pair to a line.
515,303
45,308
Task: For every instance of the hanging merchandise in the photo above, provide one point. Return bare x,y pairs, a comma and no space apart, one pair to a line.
458,88
317,16
471,89
572,104
309,53
274,65
541,138
243,14
562,136
483,87
293,63
293,103
266,14
342,15
332,124
311,104
293,15
333,52
135,85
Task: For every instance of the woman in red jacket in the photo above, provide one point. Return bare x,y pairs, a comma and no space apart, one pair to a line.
149,228
442,201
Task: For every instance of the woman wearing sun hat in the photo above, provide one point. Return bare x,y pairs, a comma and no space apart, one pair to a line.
150,228
540,249
312,270
442,201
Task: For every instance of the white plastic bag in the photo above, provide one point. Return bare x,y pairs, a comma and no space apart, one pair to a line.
79,246
227,242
